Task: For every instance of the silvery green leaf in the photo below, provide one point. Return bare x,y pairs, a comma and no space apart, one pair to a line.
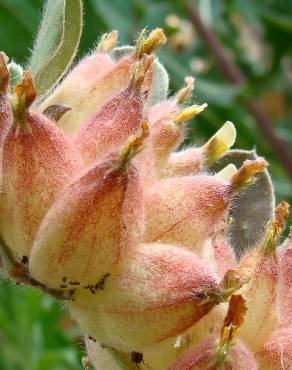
57,42
252,208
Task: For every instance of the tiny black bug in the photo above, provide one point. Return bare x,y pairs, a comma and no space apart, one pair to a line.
24,260
137,357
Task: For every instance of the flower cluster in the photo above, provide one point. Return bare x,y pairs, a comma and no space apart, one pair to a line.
101,210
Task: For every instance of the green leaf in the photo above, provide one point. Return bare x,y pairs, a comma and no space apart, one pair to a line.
252,208
56,43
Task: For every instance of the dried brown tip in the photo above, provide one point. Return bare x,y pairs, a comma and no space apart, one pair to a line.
233,280
108,41
139,71
186,92
246,172
147,45
281,215
56,111
4,73
24,95
188,113
233,320
275,228
25,89
86,363
133,145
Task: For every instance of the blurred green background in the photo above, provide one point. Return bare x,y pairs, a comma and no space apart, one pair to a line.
35,332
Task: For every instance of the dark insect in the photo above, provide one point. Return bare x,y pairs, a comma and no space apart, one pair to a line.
91,338
24,260
137,357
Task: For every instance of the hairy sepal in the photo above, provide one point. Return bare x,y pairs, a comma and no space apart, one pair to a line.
118,118
185,210
94,222
260,294
276,354
284,296
78,83
37,163
203,357
155,293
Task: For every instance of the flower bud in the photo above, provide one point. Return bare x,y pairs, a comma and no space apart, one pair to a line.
160,356
228,353
155,293
187,210
91,225
38,160
186,92
86,103
167,128
261,267
147,44
277,352
83,86
202,358
97,79
183,163
168,133
117,119
193,160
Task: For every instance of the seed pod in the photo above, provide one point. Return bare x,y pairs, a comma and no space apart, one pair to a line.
277,352
117,119
261,267
155,293
38,160
92,224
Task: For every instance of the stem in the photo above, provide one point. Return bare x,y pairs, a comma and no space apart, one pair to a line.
20,273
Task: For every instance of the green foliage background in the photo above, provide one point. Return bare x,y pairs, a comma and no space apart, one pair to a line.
35,333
